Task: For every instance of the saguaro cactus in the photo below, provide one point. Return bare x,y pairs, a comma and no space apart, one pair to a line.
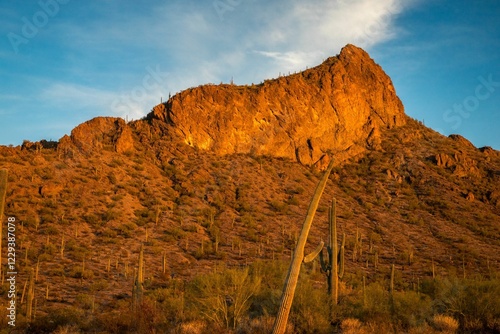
3,193
391,284
62,247
138,288
31,296
164,265
298,257
334,267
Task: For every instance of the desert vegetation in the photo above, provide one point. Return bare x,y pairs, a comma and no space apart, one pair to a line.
245,300
419,253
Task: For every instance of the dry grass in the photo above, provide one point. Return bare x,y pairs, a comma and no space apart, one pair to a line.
193,327
68,329
445,324
352,326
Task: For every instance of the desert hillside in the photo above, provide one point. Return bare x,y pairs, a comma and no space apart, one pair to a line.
220,177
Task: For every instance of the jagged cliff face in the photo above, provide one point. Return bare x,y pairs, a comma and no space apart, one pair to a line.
338,106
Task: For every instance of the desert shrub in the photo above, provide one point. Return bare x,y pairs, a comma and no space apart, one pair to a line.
266,300
45,257
67,329
58,317
295,190
112,178
351,326
176,233
171,304
147,318
248,220
476,303
192,327
377,305
85,301
111,215
78,272
49,248
117,198
278,206
108,233
56,270
126,229
262,325
444,323
411,309
310,311
92,219
223,298
293,201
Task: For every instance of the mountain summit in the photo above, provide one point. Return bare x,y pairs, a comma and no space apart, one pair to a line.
337,106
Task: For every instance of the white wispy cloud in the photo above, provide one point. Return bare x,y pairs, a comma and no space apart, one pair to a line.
291,35
74,98
313,30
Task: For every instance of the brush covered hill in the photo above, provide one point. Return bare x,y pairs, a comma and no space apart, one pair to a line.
223,175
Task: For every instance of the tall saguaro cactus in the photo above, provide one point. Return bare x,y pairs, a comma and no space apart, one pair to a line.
334,267
298,257
138,288
331,267
31,296
3,193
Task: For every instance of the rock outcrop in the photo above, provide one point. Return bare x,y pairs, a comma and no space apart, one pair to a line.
339,106
460,164
101,132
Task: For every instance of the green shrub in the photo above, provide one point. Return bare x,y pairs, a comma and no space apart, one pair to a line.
411,309
377,305
310,312
57,317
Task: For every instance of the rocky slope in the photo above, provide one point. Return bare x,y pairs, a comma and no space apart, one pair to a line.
212,176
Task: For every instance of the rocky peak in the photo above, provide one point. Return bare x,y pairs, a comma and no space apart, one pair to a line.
98,133
339,106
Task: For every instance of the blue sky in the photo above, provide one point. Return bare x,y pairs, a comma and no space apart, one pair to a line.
63,62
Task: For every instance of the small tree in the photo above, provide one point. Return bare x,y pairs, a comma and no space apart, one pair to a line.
224,298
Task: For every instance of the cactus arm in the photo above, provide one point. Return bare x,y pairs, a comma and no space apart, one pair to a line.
308,258
342,257
324,265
